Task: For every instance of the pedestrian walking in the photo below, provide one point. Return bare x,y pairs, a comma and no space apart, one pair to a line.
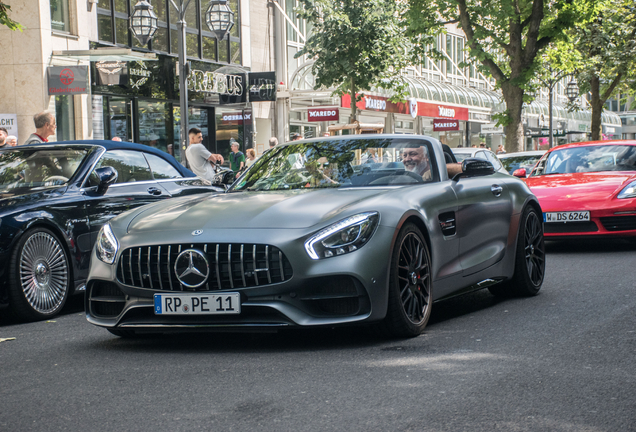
44,127
273,142
12,140
237,158
3,137
251,157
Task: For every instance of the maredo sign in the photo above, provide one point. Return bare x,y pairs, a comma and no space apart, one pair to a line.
415,108
323,114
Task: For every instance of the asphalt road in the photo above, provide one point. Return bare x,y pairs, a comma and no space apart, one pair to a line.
561,361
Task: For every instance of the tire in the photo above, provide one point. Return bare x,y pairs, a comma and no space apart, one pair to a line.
40,277
410,293
529,259
122,333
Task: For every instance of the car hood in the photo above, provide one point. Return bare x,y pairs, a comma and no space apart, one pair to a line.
580,191
245,210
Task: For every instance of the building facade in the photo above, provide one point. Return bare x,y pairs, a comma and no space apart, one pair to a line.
247,87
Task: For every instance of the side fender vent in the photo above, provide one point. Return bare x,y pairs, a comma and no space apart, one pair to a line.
447,224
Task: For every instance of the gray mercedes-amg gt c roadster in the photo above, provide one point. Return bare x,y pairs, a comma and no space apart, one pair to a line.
320,232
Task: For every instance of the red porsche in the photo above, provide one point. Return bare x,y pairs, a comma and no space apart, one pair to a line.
587,189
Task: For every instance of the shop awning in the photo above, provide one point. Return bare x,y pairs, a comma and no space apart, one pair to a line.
105,54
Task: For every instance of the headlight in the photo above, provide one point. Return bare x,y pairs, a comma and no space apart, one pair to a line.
629,191
346,236
107,245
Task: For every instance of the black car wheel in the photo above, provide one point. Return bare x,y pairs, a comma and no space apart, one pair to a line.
410,284
529,259
39,280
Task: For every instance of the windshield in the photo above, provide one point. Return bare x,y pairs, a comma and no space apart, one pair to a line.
588,159
341,163
513,163
38,168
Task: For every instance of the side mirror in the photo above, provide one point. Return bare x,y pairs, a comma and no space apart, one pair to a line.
106,176
472,167
521,173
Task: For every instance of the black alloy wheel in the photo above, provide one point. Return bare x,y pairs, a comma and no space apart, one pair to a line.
410,286
529,259
40,278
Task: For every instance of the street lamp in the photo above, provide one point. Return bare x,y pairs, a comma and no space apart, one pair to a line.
550,83
219,18
572,90
143,22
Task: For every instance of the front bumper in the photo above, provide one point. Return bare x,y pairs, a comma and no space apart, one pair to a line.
601,224
345,289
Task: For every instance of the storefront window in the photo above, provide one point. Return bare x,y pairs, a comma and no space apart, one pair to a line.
154,123
60,16
65,117
118,112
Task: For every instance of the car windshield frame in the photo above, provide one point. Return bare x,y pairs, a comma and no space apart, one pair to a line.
588,158
340,163
23,169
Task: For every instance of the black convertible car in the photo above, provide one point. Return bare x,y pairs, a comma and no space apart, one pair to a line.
55,197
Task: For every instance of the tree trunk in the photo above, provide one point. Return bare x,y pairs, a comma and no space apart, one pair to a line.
354,108
597,108
514,130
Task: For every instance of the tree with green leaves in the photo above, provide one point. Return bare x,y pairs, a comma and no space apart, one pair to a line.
606,48
4,17
504,37
356,45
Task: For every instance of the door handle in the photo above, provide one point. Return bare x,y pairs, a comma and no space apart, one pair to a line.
154,191
496,190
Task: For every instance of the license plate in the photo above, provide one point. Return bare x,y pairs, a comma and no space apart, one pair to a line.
575,216
198,304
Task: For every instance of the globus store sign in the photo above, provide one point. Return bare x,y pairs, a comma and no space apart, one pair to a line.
424,109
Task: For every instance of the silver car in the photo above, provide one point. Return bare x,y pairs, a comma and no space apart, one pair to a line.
320,232
486,154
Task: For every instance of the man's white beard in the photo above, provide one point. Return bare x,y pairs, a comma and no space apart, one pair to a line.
420,168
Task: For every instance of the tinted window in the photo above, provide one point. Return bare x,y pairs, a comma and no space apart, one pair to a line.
131,166
161,168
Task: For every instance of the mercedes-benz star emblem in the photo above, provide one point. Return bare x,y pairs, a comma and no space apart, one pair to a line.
197,232
192,268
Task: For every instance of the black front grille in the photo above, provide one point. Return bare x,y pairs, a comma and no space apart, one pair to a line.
569,227
619,223
231,265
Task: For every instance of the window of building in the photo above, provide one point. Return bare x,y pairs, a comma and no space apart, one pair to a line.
60,20
113,28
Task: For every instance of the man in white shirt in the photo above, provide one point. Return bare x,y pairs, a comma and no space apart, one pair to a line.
201,161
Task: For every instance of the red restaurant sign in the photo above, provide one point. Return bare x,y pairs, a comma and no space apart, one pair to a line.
376,103
424,109
323,114
440,125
